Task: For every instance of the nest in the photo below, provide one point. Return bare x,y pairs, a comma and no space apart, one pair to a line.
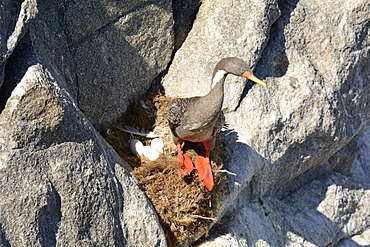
185,208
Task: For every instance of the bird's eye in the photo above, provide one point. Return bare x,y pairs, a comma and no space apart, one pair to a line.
242,70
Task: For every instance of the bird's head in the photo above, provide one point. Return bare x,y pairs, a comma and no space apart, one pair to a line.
238,67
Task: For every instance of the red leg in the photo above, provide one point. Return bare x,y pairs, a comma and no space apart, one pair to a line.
185,163
204,170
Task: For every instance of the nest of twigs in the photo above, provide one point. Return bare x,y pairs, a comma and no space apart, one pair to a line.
185,208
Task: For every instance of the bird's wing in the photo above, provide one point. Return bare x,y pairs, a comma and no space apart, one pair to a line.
219,124
176,111
198,123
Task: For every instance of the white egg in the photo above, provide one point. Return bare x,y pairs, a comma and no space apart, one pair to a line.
157,144
150,153
136,147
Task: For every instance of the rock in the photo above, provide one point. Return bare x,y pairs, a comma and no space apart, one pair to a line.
184,13
342,161
314,59
328,210
140,31
15,17
311,111
361,239
220,30
321,213
108,59
16,66
360,169
60,182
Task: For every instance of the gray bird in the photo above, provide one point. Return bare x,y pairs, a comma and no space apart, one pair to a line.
200,119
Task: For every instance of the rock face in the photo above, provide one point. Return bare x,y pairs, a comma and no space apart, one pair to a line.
220,30
315,107
331,210
299,148
60,183
15,18
299,129
130,41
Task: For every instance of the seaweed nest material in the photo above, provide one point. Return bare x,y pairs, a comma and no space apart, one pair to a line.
185,208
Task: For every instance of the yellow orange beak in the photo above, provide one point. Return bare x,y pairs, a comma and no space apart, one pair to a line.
251,77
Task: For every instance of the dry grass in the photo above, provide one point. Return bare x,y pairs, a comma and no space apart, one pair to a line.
185,208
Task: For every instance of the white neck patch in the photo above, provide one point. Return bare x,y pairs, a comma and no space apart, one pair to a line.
218,76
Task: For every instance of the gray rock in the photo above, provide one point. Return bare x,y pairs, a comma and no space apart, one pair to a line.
220,30
321,213
131,42
108,59
16,66
332,210
77,15
61,183
360,169
281,138
132,54
15,17
361,239
343,160
184,13
311,111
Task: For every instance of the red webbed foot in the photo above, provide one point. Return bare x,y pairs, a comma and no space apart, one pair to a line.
185,163
204,171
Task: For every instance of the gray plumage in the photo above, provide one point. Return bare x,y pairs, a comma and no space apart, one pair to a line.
199,119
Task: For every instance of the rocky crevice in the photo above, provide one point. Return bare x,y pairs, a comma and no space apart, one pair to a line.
300,146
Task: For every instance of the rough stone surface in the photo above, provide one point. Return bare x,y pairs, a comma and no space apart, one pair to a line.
301,161
17,64
60,183
220,30
312,110
131,42
108,59
361,239
184,13
332,210
321,213
300,128
15,17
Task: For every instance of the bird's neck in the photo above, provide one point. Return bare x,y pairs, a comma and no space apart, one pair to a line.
218,78
217,91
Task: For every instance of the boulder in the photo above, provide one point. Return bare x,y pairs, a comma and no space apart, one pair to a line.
297,148
328,210
332,208
314,59
221,29
15,18
184,13
61,183
107,60
312,110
